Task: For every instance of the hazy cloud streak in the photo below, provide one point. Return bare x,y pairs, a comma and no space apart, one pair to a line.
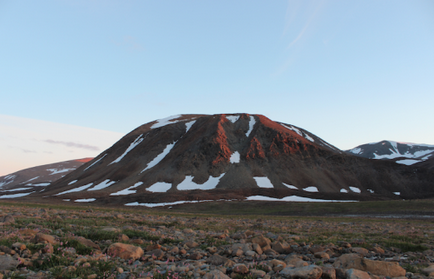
73,144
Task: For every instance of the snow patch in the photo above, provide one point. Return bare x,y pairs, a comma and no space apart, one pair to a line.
106,183
397,193
290,186
138,140
128,190
16,189
263,182
85,200
66,199
407,162
160,187
15,195
39,184
188,125
292,199
95,162
31,179
356,150
160,157
72,182
252,123
165,121
235,157
188,183
81,188
355,189
7,180
56,171
370,191
343,190
233,118
311,189
304,135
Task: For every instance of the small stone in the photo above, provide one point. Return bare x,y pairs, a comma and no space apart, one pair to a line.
215,274
125,251
240,269
356,274
305,272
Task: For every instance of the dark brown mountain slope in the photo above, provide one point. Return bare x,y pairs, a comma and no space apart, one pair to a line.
234,156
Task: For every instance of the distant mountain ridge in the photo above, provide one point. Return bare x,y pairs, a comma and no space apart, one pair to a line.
36,178
401,153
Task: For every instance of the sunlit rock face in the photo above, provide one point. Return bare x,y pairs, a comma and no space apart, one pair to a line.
232,156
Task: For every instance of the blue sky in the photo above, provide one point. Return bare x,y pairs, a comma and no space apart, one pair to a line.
350,72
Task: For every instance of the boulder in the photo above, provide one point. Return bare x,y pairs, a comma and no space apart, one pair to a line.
360,250
305,272
241,269
328,272
7,262
44,238
262,241
125,251
87,242
215,274
356,274
348,261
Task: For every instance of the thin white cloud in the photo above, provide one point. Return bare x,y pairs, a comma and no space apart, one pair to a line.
73,144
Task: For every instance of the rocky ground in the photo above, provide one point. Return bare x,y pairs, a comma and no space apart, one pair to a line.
41,242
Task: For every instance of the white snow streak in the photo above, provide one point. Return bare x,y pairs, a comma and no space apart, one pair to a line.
233,118
31,179
138,140
408,162
355,189
38,184
106,183
72,182
56,171
304,135
370,191
16,189
165,121
164,203
311,189
95,162
292,199
252,123
128,190
235,157
290,186
81,188
15,195
160,157
263,182
188,125
356,150
188,183
160,187
343,190
85,200
397,193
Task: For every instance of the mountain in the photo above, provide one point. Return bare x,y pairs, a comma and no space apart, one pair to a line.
37,178
401,153
232,156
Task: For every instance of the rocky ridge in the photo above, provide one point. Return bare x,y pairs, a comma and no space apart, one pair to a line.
93,243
